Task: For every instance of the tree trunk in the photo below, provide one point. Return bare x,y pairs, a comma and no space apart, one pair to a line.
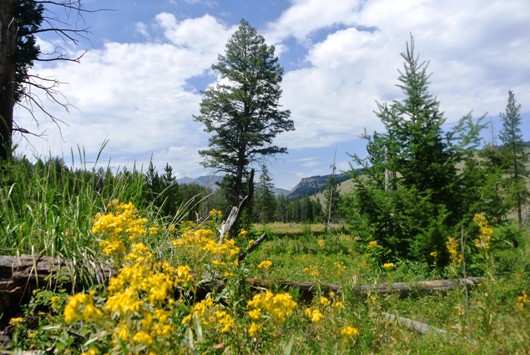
8,31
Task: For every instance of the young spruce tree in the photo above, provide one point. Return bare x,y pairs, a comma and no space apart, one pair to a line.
407,196
515,157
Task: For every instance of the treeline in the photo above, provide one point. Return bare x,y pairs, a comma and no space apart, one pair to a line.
149,188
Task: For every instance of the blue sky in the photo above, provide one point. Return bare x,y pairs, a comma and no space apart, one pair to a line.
139,83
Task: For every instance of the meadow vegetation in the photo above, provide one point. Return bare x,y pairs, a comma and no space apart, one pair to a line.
182,285
153,304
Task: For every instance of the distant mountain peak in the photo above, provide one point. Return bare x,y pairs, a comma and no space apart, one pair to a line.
313,184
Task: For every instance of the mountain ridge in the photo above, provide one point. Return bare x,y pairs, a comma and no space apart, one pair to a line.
307,186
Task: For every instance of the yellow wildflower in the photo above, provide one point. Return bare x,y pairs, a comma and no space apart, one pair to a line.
265,264
452,247
388,265
486,232
338,305
522,301
372,245
254,329
349,331
311,270
225,320
242,233
324,301
279,307
314,314
91,351
142,338
16,320
216,214
339,265
321,243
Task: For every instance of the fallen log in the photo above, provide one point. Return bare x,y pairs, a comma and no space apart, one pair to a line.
308,289
405,288
421,328
21,275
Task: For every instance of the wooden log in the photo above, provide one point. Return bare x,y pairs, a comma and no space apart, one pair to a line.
307,289
421,328
405,288
21,275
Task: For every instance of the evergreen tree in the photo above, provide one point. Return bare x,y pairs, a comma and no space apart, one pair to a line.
408,198
282,207
242,111
514,154
264,206
331,200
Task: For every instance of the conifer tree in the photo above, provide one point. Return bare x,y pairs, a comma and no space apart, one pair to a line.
408,195
514,154
264,206
242,112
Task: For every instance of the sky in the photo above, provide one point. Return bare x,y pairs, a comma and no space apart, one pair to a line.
139,82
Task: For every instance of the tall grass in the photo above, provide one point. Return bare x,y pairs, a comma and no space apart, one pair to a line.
46,208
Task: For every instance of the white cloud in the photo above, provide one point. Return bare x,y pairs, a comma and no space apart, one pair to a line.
477,51
307,16
136,95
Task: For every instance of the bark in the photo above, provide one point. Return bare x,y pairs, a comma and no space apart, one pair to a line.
21,275
8,31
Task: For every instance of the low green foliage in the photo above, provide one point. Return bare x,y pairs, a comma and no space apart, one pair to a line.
156,302
236,319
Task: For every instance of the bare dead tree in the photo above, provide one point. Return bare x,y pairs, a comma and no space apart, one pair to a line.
20,22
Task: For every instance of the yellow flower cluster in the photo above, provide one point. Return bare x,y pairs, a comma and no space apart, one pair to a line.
388,265
201,244
311,270
339,265
216,214
119,227
16,320
321,243
522,301
265,264
452,247
325,304
372,245
81,307
349,331
268,306
210,314
140,299
486,232
314,314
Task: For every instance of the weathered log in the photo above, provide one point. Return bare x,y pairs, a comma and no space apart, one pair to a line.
405,288
253,246
21,275
421,328
308,289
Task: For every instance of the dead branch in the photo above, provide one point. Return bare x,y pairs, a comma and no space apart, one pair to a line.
253,246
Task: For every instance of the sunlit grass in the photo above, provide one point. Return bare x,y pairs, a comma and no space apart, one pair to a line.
46,213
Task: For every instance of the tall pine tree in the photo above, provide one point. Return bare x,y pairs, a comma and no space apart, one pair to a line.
242,112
